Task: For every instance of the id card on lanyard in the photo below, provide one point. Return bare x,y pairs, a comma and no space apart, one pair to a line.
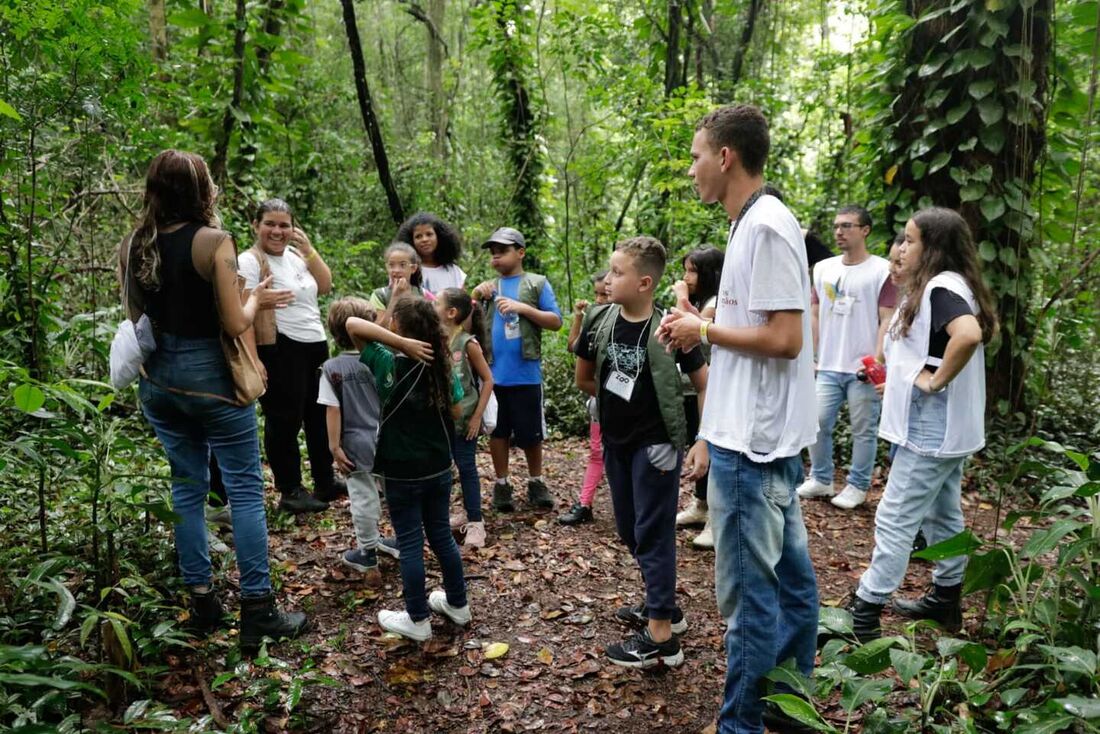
618,382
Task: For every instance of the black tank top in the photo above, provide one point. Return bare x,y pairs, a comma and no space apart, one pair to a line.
184,305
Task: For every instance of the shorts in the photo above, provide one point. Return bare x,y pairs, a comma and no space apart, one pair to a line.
519,414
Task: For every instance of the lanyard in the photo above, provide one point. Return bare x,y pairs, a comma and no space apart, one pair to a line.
745,210
614,358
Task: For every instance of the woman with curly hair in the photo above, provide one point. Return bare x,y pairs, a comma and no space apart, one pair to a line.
439,245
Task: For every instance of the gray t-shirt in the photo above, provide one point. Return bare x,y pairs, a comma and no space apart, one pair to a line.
346,383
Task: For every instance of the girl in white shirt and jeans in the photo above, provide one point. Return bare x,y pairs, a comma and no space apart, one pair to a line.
933,409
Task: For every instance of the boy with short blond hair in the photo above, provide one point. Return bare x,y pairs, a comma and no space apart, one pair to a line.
638,392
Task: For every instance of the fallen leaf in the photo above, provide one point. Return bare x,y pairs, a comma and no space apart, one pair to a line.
496,650
545,656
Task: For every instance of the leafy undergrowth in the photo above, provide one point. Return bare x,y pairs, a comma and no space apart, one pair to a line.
547,592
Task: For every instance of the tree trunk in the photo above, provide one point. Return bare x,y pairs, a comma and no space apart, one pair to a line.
273,27
366,109
745,42
673,74
158,30
968,132
437,10
219,163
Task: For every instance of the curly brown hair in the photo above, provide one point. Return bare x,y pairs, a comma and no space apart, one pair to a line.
416,319
947,245
178,188
342,309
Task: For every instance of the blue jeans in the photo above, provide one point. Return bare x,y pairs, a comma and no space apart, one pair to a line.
765,583
190,427
833,388
465,455
421,508
922,491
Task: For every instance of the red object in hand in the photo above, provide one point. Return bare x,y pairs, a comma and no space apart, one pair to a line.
875,370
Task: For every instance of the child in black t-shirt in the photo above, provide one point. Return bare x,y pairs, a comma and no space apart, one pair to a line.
641,410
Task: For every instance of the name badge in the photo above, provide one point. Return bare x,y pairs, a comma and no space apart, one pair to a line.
511,329
620,384
842,306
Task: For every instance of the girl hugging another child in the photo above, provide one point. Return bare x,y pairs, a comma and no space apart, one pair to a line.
454,307
419,395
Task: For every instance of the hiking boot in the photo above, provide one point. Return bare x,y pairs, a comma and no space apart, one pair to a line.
400,623
638,616
577,515
333,492
812,488
220,517
389,547
943,604
538,495
640,651
705,539
360,560
215,544
298,500
920,542
866,624
207,614
459,518
851,498
437,602
693,514
475,535
260,618
502,497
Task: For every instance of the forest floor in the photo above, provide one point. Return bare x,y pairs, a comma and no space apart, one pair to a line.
549,592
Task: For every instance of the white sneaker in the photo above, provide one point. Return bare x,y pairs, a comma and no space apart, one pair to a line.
437,601
400,623
458,518
813,488
475,535
704,539
693,514
850,498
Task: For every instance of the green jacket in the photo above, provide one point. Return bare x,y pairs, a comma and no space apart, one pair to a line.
464,373
530,335
598,321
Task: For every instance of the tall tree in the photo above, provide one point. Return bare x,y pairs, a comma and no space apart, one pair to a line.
219,163
158,29
968,127
370,119
437,54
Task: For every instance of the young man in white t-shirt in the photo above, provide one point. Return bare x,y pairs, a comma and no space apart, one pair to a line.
758,416
853,300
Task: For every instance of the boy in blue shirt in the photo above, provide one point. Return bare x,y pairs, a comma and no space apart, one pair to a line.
523,306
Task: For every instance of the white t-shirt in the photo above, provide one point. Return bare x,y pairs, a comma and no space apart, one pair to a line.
439,279
301,320
762,407
326,395
848,300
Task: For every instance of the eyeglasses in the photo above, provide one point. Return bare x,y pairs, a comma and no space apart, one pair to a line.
845,225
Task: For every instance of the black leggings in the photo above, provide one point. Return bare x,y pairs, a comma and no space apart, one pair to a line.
290,403
691,412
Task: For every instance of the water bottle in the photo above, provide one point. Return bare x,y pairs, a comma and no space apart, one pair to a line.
874,370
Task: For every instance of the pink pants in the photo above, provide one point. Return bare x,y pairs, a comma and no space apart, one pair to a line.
594,472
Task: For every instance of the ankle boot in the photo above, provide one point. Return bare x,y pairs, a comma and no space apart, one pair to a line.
866,625
943,604
207,614
260,618
298,500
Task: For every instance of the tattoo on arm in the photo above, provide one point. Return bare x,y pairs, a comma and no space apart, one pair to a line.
231,263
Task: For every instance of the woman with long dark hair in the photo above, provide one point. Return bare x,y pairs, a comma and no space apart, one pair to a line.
182,272
933,409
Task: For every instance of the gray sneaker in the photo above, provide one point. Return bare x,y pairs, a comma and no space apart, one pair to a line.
538,495
502,497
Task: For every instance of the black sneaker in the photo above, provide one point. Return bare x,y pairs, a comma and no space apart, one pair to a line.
502,497
920,542
538,495
333,492
638,616
640,651
298,500
389,547
577,515
360,560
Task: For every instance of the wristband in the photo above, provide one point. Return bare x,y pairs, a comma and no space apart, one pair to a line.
703,326
312,254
